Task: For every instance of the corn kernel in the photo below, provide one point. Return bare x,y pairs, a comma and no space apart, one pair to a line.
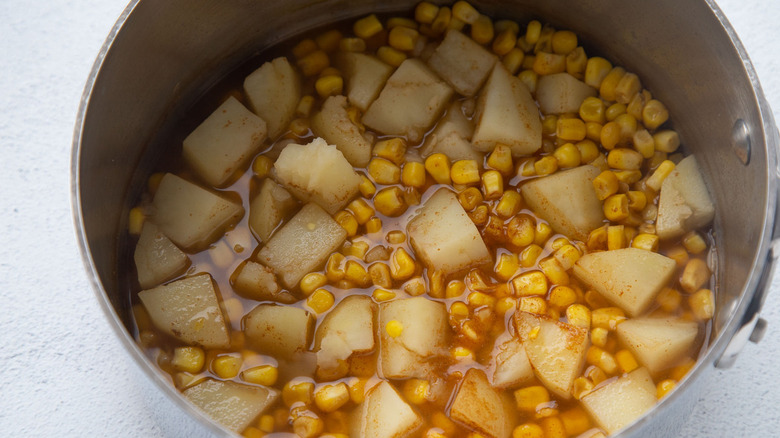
438,165
329,85
513,60
462,353
694,243
665,387
357,389
627,87
678,372
479,299
564,41
695,275
506,266
226,367
380,295
616,237
403,38
391,56
616,207
394,328
252,432
307,426
554,271
402,265
528,430
465,172
304,47
413,174
543,232
361,210
596,70
549,124
384,171
549,63
529,77
188,359
666,141
593,133
592,109
509,204
606,184
576,62
505,305
575,421
553,427
528,398
505,42
597,239
500,159
546,165
470,198
454,289
533,31
608,88
536,305
610,135
374,225
425,12
265,375
624,159
444,20
599,336
135,221
637,104
465,12
562,297
416,391
581,387
602,359
390,202
352,44
626,362
367,27
588,150
330,398
530,283
567,255
578,315
702,304
644,241
313,63
482,30
393,150
637,201
568,155
320,301
356,273
312,281
529,255
544,43
480,215
492,184
654,114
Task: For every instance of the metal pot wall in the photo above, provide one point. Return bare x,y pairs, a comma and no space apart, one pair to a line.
161,56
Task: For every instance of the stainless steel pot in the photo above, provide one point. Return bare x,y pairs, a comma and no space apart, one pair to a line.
161,56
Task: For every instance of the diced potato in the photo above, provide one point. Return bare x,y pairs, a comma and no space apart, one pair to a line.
620,402
506,113
555,349
317,172
384,414
279,330
274,90
224,142
347,329
157,259
231,404
191,216
481,408
411,101
684,204
510,364
255,281
452,135
561,93
188,310
302,245
658,343
365,76
462,62
424,336
630,278
444,237
567,201
272,205
334,125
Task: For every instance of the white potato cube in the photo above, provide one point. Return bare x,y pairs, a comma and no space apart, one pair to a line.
274,90
481,408
280,331
157,259
555,349
684,204
567,200
188,310
561,93
658,343
191,216
424,337
506,113
224,142
257,282
444,237
384,414
302,245
630,278
347,329
411,101
231,404
365,76
510,364
272,205
620,402
333,124
317,172
462,62
452,136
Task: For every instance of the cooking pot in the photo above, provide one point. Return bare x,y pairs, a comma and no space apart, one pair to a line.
162,56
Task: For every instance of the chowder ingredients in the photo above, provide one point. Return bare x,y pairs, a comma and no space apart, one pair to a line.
438,226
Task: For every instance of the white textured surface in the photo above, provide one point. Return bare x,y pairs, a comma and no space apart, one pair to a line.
63,371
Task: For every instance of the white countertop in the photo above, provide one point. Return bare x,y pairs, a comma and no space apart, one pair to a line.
64,372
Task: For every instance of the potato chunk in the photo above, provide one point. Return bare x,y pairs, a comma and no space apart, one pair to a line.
425,335
561,93
555,349
224,142
481,408
685,203
269,208
410,102
452,136
658,343
231,404
191,216
462,62
255,281
274,90
384,414
510,364
317,172
630,278
567,201
157,259
365,76
334,125
444,237
302,245
347,329
188,310
506,113
620,402
279,331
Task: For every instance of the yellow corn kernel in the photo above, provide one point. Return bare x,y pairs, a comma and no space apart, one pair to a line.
702,304
654,114
347,221
492,184
529,77
438,166
588,150
188,359
506,266
357,249
568,155
606,184
357,389
313,63
330,398
462,353
562,297
596,70
482,30
628,176
262,166
533,31
592,109
329,85
643,143
553,427
599,336
602,359
374,225
265,375
425,12
390,202
403,38
637,201
576,61
616,207
546,165
575,421
304,47
549,124
391,56
544,43
465,12
529,284
505,42
616,237
480,215
694,243
465,172
593,133
266,423
444,20
536,305
679,372
564,41
470,198
504,305
300,127
226,367
308,426
657,158
352,44
312,281
443,422
416,391
367,27
554,271
665,387
459,310
549,63
669,299
624,159
567,255
393,150
413,174
500,159
666,141
356,273
479,299
645,241
384,171
402,265
626,361
695,275
509,204
614,111
252,432
529,255
543,232
597,239
528,430
581,387
637,104
610,135
320,301
608,87
367,188
628,86
394,328
380,295
361,210
513,60
135,221
578,315
528,398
